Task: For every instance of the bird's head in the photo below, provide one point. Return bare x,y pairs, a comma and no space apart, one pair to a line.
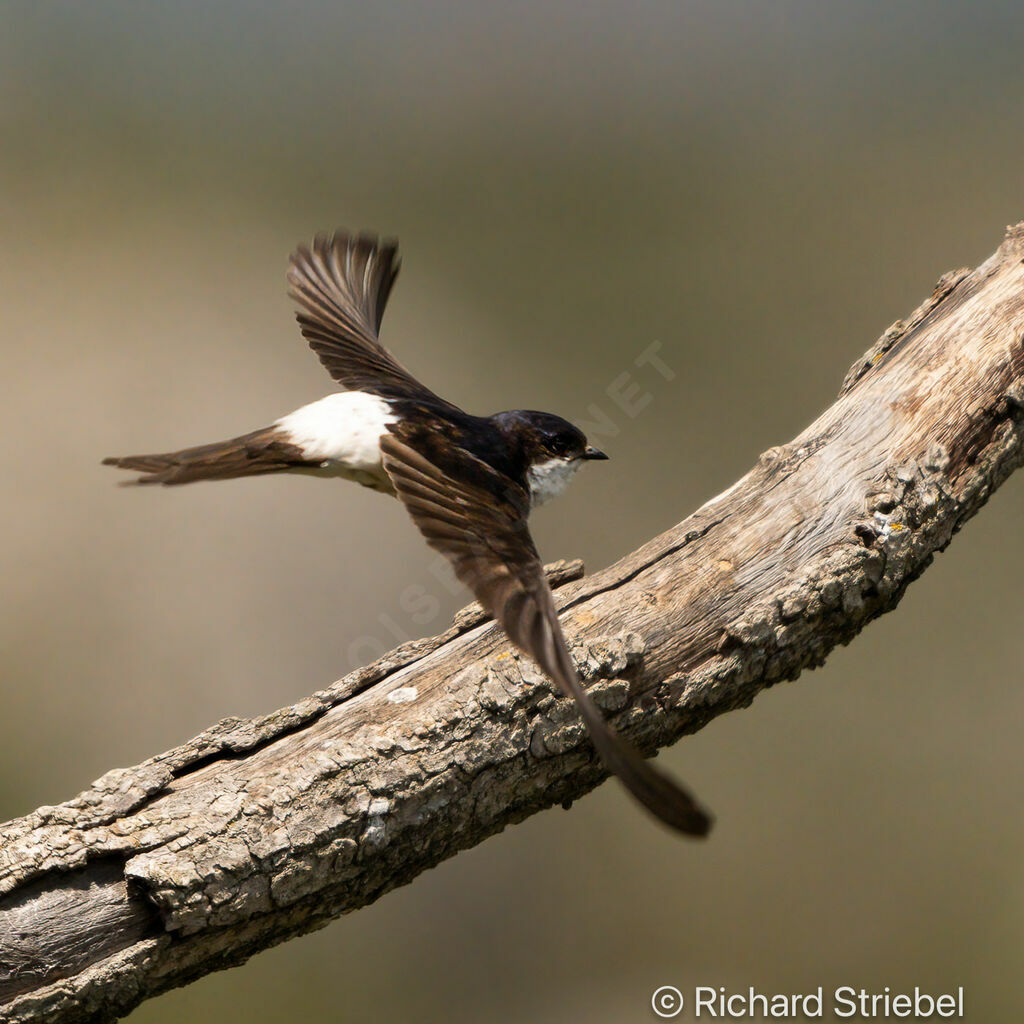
554,450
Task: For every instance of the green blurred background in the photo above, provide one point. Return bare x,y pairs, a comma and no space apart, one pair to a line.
762,188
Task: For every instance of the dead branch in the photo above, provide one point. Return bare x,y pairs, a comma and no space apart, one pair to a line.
257,831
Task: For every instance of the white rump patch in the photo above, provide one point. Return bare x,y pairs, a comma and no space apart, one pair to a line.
342,430
548,479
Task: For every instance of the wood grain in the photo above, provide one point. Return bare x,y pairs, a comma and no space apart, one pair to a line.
260,830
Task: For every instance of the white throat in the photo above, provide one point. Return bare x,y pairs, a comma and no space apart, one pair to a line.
548,479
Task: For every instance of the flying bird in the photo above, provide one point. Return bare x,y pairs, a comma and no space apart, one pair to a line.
468,482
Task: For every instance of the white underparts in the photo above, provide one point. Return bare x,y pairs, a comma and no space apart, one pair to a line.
548,479
342,432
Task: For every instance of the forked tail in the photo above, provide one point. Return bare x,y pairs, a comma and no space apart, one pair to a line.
262,451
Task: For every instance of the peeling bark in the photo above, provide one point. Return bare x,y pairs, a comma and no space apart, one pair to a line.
259,830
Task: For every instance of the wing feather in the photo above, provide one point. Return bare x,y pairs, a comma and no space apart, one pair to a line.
341,284
483,533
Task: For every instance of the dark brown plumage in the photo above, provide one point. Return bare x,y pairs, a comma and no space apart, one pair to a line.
253,454
468,482
342,284
482,531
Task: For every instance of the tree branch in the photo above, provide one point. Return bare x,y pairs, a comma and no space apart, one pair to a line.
260,830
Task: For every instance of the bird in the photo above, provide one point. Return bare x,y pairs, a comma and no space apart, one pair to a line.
468,482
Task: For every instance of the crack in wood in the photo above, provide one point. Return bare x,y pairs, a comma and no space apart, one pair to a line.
257,831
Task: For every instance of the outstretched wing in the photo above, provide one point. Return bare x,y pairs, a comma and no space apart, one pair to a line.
342,283
483,533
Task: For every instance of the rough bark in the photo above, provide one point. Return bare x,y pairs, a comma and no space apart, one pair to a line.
260,830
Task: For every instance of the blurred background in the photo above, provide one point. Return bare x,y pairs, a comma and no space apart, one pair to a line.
761,188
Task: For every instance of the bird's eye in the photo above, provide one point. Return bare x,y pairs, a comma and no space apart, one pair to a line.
563,447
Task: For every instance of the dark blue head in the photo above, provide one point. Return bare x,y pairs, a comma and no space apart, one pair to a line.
542,436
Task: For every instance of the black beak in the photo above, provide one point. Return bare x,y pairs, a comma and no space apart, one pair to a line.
590,452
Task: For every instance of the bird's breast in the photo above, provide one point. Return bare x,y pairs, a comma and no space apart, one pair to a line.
549,479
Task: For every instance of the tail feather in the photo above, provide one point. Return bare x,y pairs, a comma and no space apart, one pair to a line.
262,451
